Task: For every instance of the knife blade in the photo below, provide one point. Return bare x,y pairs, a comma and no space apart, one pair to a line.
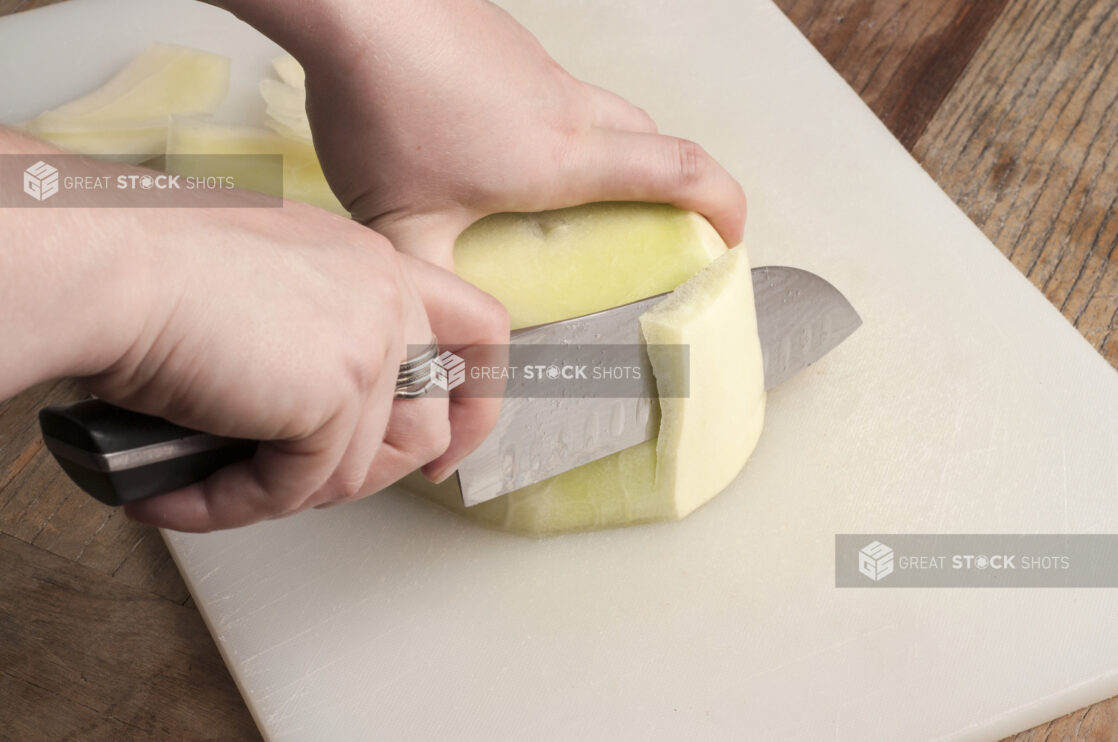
119,456
800,318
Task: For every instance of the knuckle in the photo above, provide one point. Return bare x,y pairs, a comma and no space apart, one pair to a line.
366,346
420,429
347,485
361,371
389,285
690,162
357,370
648,123
375,266
438,441
495,317
432,437
344,485
562,149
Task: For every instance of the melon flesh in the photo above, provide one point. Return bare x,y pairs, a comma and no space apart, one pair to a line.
127,117
286,100
286,109
706,438
302,175
555,265
290,71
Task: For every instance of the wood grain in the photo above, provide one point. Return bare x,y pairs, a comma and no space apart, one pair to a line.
901,56
85,657
41,507
1098,723
1025,144
1011,106
14,6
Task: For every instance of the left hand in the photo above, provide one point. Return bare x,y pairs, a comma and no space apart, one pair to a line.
431,114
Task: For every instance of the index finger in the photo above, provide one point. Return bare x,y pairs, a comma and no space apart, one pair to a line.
474,326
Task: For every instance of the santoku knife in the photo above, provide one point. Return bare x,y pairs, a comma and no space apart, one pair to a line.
119,456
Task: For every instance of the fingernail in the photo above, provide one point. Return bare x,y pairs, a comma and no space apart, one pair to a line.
442,475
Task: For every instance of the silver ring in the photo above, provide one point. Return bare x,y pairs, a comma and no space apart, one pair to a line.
417,374
413,393
423,358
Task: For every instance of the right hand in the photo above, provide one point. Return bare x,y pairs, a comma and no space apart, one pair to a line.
288,326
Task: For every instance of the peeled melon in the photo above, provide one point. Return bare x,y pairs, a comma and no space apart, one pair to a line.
706,438
286,109
565,263
290,71
127,117
286,100
302,175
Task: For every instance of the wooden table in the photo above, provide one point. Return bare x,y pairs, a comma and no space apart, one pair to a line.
1011,105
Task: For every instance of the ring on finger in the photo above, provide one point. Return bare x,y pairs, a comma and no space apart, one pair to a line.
416,376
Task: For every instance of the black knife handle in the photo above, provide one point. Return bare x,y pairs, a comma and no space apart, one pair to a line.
119,456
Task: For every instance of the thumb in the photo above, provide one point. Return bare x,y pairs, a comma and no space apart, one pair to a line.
615,165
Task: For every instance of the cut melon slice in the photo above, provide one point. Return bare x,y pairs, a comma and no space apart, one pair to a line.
127,117
302,175
290,71
286,109
286,100
704,439
291,127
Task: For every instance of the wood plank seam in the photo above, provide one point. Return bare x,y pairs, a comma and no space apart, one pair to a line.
92,537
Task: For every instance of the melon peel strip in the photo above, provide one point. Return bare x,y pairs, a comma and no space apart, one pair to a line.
126,119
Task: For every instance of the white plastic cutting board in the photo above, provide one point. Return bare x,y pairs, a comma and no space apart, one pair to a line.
964,404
